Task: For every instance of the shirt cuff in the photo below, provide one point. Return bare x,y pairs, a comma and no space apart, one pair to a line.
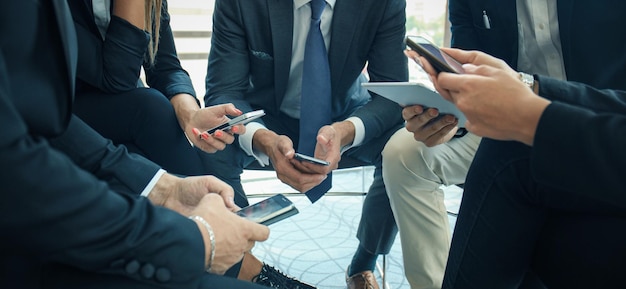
359,133
245,142
152,183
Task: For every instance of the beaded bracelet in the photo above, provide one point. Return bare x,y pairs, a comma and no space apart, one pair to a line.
211,238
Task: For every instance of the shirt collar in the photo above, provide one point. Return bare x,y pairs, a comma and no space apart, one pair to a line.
299,3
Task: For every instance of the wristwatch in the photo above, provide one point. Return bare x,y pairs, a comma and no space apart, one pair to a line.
527,79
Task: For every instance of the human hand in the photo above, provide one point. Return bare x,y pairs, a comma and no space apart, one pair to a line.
183,194
428,126
279,148
205,118
233,234
327,148
490,94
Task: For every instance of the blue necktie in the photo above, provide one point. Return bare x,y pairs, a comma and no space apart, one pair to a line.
315,102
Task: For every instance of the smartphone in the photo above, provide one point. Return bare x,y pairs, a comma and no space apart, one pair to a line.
440,61
242,119
270,210
305,158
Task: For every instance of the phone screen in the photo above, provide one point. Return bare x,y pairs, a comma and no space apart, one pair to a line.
441,61
266,209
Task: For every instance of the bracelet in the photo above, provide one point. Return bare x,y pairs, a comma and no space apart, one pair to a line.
211,238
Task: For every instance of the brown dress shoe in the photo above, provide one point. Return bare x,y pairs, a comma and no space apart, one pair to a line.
362,280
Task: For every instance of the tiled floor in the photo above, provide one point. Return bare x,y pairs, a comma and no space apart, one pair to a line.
317,244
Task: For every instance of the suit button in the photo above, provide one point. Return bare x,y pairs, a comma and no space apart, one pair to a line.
147,271
132,267
163,275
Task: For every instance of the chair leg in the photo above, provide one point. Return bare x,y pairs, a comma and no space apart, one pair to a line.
384,271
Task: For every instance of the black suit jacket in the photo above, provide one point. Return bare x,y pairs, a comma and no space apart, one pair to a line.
250,57
113,65
579,143
61,225
592,52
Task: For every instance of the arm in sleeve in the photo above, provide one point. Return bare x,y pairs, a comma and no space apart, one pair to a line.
100,157
579,94
52,209
386,62
579,148
112,65
228,68
167,75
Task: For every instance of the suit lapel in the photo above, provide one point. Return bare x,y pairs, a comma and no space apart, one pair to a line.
564,13
68,38
342,32
281,23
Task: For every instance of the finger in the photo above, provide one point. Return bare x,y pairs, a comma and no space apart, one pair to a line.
238,129
258,232
413,55
223,137
285,147
411,111
309,168
227,109
427,66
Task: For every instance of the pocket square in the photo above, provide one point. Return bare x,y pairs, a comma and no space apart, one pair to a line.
261,55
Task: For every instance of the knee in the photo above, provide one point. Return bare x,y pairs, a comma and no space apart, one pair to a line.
404,152
152,102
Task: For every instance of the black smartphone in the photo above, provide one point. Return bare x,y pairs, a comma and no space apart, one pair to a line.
440,61
270,210
242,119
305,158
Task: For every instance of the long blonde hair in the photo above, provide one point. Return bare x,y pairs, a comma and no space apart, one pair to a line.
153,26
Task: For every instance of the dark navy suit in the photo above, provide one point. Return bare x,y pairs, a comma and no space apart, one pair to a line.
553,211
249,66
61,224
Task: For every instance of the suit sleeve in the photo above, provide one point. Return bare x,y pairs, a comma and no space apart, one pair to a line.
229,68
100,157
579,144
386,62
114,64
52,209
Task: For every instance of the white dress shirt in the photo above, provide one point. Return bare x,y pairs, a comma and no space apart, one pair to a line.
291,102
539,43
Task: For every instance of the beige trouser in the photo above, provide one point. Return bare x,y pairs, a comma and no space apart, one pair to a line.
413,174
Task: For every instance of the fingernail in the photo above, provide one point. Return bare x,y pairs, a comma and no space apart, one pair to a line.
433,113
234,129
196,131
204,136
218,133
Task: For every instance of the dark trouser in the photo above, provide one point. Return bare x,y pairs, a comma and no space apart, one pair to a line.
509,225
144,121
377,229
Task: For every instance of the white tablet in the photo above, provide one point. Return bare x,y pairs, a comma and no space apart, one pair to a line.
412,93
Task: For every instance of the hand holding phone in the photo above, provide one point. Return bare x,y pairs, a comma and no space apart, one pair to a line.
242,119
439,60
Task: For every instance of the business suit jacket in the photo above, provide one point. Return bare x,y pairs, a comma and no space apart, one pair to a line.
590,122
592,52
61,225
250,57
